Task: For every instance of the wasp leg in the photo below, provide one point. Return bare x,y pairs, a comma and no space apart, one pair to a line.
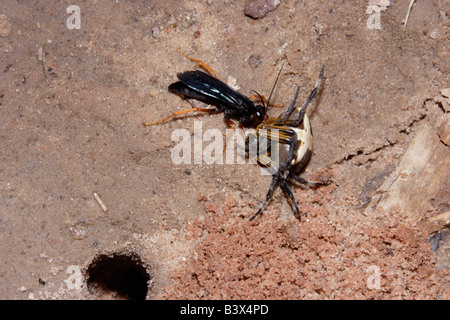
288,191
201,64
273,186
177,114
232,126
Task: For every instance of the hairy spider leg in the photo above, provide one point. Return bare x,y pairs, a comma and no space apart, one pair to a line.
286,136
302,110
285,187
272,188
313,183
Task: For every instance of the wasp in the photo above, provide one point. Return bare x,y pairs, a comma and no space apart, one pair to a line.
285,146
207,88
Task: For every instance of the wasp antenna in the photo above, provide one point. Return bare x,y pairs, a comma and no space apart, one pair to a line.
273,88
261,98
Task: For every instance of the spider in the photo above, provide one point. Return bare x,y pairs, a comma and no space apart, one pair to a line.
284,146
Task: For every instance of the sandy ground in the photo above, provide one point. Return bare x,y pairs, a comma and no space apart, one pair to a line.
72,103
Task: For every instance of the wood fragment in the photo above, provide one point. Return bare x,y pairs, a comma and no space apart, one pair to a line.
100,202
436,223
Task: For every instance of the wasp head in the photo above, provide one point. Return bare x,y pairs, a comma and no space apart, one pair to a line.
260,114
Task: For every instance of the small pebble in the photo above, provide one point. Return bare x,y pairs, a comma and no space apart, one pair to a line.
155,32
255,60
260,8
79,230
435,240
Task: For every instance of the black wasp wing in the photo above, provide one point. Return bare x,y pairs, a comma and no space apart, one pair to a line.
212,89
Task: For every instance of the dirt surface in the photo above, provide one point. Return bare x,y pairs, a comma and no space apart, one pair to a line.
73,100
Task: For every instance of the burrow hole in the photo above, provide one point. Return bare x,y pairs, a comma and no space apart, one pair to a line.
118,276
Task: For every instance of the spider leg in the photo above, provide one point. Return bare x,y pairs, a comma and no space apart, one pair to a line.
285,116
288,191
273,186
313,93
313,183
